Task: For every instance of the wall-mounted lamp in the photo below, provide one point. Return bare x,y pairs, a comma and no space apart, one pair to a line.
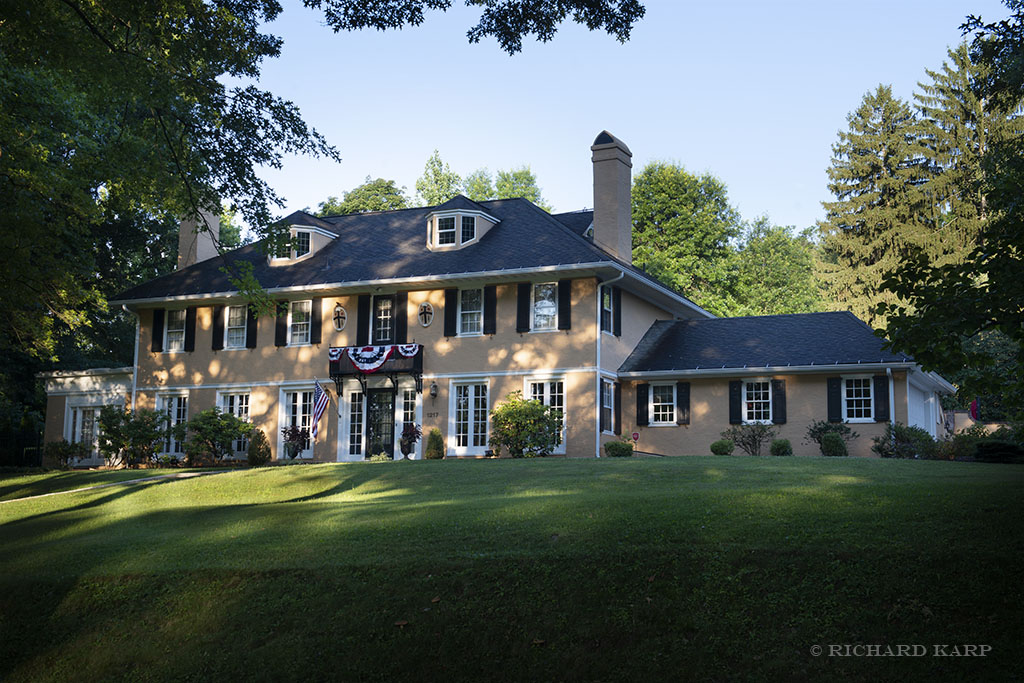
433,390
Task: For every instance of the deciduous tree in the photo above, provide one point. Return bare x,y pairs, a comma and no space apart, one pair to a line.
438,183
373,195
774,271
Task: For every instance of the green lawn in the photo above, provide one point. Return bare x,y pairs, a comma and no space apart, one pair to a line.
24,485
696,568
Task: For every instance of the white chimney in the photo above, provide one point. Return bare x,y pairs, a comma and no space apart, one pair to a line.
196,244
613,208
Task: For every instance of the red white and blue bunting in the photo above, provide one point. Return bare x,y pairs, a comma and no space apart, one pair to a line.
369,359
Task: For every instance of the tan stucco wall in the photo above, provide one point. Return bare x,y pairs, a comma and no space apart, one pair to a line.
637,317
709,416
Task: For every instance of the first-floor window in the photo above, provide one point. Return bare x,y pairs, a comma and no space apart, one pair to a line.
298,407
176,408
663,404
857,398
551,392
85,426
237,405
608,405
757,401
355,429
470,415
409,406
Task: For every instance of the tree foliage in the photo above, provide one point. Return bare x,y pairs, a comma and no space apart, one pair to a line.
519,182
774,271
479,186
130,438
526,427
373,195
438,183
210,435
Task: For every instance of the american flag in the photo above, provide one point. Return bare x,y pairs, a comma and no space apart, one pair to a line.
320,400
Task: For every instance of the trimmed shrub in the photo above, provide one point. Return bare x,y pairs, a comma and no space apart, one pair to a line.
618,449
61,453
999,450
258,454
781,447
380,457
750,438
901,441
434,449
722,447
526,427
819,428
833,446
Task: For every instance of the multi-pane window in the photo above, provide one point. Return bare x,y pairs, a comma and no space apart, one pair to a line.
471,311
175,331
298,407
468,228
176,408
446,230
757,401
355,429
857,398
663,404
234,330
608,405
84,426
606,309
551,393
301,243
384,319
300,322
409,406
545,306
470,415
237,405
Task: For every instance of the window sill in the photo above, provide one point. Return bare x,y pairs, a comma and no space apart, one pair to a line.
861,420
662,424
300,344
236,348
545,330
468,334
758,422
174,351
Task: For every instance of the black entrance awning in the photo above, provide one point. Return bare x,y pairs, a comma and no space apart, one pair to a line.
390,361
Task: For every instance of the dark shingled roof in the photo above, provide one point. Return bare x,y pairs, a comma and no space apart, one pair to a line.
577,221
758,341
303,218
392,244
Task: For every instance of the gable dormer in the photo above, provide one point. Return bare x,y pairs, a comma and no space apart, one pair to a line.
457,223
306,236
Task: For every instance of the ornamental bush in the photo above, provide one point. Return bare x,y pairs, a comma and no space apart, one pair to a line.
833,446
751,438
211,435
901,441
618,449
434,449
61,453
781,447
819,428
723,447
999,450
258,454
526,427
130,439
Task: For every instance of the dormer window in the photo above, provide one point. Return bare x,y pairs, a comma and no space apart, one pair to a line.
301,243
457,227
468,228
446,231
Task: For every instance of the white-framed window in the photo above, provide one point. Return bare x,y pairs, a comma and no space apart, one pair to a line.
355,429
408,407
757,401
300,243
608,405
175,406
446,230
85,426
663,404
471,311
469,414
299,317
468,228
237,404
550,392
234,327
384,319
545,306
174,331
298,412
606,309
858,399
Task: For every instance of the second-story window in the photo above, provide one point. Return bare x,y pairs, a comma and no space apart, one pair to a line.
175,331
446,230
471,311
606,309
545,306
299,325
301,243
383,319
468,228
234,330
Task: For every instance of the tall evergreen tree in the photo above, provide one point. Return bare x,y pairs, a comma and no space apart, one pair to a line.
438,183
876,176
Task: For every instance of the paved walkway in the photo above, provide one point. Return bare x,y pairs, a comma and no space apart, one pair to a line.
173,475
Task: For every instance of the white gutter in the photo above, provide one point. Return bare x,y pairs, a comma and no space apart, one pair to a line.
772,369
600,339
135,359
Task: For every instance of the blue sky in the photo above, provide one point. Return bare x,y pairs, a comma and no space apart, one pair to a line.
753,92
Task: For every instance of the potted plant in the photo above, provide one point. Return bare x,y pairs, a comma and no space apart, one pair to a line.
295,439
411,433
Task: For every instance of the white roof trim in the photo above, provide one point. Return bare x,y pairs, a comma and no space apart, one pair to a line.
830,368
464,212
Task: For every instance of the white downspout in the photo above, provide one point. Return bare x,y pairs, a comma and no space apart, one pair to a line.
135,359
892,396
600,340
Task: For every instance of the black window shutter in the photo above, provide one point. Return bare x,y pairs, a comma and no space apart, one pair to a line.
835,399
316,320
451,312
618,408
565,304
735,402
779,401
641,405
881,398
157,344
523,307
250,328
281,324
491,309
682,403
218,328
616,311
363,320
190,328
402,319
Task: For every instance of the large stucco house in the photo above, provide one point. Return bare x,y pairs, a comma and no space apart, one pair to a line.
433,315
